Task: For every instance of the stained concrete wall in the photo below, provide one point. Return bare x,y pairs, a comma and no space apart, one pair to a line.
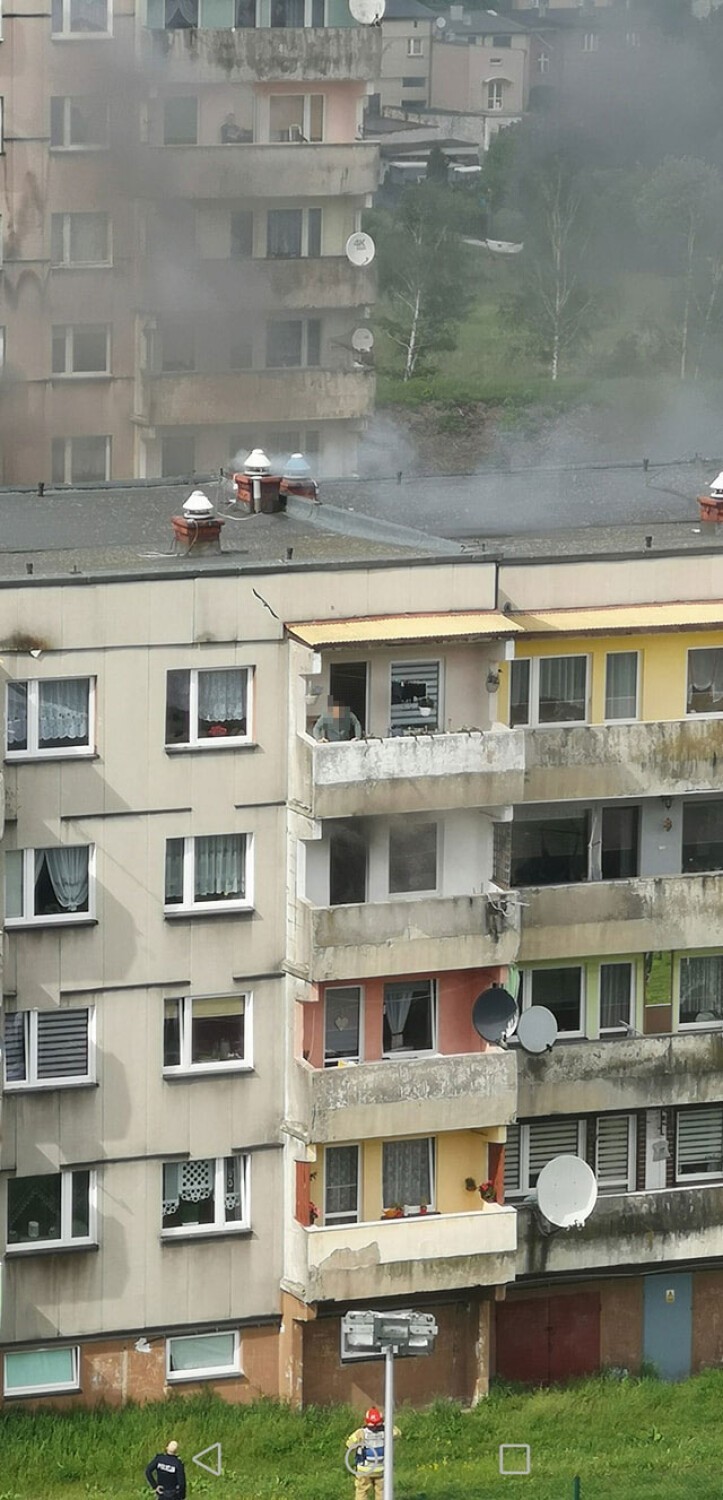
412,1097
457,1370
617,1075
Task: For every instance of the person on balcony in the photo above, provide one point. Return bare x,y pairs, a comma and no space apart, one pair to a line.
369,1444
338,723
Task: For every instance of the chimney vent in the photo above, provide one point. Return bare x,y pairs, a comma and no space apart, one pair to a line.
257,488
297,479
712,509
199,528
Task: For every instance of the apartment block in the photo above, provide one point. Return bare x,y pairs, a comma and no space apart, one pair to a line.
179,185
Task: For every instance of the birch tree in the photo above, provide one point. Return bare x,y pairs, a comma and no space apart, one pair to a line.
682,203
426,274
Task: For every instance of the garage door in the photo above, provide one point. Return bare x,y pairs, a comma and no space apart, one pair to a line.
548,1339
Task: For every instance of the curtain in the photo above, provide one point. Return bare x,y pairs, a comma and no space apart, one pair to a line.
220,866
196,1180
283,233
621,685
181,14
171,1188
341,1170
88,15
562,688
174,870
17,715
221,697
614,995
701,989
705,674
68,871
63,710
396,1010
232,1189
406,1172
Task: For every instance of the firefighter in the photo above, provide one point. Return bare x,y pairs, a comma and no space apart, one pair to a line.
369,1468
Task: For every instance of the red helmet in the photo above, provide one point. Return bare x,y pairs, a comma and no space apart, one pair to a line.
373,1418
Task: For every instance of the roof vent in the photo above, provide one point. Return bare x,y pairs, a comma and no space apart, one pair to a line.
198,506
297,480
257,488
711,509
199,528
257,462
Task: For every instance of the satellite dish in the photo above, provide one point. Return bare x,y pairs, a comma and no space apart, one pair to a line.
566,1191
367,12
494,1014
537,1029
360,249
441,22
363,340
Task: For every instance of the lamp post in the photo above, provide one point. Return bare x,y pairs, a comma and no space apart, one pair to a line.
382,1335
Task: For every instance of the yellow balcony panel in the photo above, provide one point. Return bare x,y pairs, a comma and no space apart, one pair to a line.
413,1096
403,1257
620,916
408,937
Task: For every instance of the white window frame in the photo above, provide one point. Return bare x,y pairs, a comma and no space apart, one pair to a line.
341,1218
401,1054
415,46
629,1184
638,675
304,360
31,1080
533,721
194,741
220,1224
34,750
66,35
690,713
328,990
186,1065
543,62
9,1393
84,265
67,1240
527,988
305,118
495,95
68,332
631,963
188,906
678,960
409,666
682,1178
524,1189
305,253
53,919
66,144
68,456
590,41
432,1149
204,1372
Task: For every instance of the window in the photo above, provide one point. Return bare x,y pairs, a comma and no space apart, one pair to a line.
205,1196
208,874
81,18
414,81
180,121
342,1010
297,13
81,349
36,1372
79,124
296,117
495,89
409,1017
341,1184
549,851
2,346
412,858
543,62
80,240
57,1209
208,1033
590,41
81,460
242,234
615,1153
208,708
702,836
619,852
241,352
529,1148
415,46
560,990
621,685
49,885
699,1143
48,1048
178,454
705,681
414,697
549,690
616,997
53,717
632,39
177,348
701,990
293,341
202,1356
292,233
180,15
408,1174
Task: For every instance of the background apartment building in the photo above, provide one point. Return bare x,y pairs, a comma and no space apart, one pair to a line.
179,184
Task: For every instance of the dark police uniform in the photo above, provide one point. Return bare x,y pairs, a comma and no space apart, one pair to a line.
165,1473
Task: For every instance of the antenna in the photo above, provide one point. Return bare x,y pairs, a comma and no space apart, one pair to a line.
494,1015
367,12
360,249
566,1192
537,1029
362,339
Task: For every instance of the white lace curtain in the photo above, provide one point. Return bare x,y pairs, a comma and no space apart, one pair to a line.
396,1010
614,995
222,697
562,679
705,673
62,712
701,988
195,1182
621,685
406,1173
68,871
219,867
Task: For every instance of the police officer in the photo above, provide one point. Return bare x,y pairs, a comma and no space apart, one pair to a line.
166,1474
369,1443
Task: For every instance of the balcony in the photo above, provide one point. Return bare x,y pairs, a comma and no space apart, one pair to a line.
321,54
627,1230
238,173
403,1257
621,1074
411,937
415,1096
261,396
622,760
411,773
619,916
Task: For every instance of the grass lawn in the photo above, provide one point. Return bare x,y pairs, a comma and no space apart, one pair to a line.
627,1440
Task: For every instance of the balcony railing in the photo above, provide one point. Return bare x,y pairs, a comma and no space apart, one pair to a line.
401,1257
628,1229
297,395
252,55
413,937
264,171
616,1074
619,916
422,1096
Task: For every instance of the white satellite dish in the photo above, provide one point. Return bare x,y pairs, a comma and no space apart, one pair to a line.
537,1029
360,249
367,12
362,339
566,1192
441,22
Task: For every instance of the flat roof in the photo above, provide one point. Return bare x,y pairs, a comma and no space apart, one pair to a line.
400,630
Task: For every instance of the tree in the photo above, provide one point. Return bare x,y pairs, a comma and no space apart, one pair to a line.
683,201
425,273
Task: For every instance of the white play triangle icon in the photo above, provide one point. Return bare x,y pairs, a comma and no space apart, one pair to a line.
215,1448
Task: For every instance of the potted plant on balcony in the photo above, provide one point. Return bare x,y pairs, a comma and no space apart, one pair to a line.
395,1211
488,1192
313,1213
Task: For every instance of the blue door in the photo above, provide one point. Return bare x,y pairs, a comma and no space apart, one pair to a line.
668,1324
